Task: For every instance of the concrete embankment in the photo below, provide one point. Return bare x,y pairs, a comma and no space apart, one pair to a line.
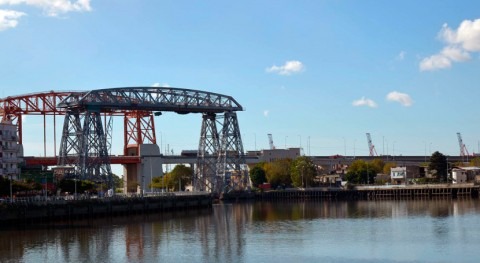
31,211
374,192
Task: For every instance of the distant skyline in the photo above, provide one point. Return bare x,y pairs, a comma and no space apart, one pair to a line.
312,73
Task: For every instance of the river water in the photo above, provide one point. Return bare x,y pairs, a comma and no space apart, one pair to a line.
440,230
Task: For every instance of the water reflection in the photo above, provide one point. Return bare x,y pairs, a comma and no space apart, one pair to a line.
245,231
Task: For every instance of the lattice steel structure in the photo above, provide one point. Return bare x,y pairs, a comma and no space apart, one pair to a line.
86,141
220,155
206,171
231,165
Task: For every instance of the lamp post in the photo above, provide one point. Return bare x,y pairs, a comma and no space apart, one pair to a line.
46,184
11,192
75,195
368,179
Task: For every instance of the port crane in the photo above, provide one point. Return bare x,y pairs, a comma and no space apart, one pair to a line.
371,147
270,141
463,148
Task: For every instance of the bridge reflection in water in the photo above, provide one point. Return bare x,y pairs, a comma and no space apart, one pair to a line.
382,231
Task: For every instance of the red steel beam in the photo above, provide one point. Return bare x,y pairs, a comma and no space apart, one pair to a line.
52,161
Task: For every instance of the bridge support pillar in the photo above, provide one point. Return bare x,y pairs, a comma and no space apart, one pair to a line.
205,178
140,176
85,147
232,166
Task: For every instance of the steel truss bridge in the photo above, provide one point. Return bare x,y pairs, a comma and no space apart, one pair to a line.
87,130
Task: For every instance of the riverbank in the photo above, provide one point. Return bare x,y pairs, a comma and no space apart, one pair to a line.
374,192
25,211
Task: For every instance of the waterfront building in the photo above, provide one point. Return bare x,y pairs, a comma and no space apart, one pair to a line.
11,151
272,155
398,175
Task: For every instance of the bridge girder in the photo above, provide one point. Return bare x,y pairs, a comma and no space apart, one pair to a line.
152,99
86,145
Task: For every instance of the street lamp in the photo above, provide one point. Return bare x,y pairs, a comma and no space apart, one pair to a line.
46,184
75,180
11,192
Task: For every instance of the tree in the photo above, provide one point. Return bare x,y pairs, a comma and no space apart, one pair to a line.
181,175
302,172
68,185
475,162
377,165
257,175
388,166
361,172
278,172
438,166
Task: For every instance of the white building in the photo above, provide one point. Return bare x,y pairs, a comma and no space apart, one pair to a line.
459,176
398,175
10,151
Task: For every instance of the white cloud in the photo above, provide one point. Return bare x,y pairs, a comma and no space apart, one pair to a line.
290,67
364,102
459,42
467,35
401,55
435,62
402,98
455,54
158,84
53,7
266,113
9,19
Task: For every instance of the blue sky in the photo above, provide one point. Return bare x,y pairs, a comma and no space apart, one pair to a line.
324,72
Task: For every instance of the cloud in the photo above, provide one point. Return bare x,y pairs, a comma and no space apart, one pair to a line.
53,8
9,19
402,98
435,62
401,55
158,84
266,113
290,67
459,44
364,102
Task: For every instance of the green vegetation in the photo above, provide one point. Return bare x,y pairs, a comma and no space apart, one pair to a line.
180,176
258,175
362,172
278,173
438,166
284,173
302,172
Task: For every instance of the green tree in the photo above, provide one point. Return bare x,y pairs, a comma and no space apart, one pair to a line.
388,166
475,162
278,172
180,175
438,166
68,185
303,172
258,175
377,165
361,172
117,181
